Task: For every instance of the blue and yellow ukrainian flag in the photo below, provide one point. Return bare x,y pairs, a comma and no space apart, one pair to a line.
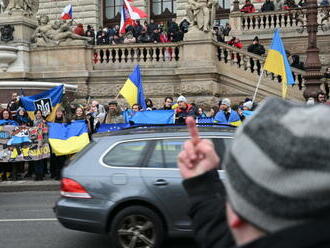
67,138
277,62
47,101
132,90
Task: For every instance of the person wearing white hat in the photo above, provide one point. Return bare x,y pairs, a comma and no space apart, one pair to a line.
183,110
226,115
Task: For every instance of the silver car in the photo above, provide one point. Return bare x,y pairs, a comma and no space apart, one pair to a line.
127,184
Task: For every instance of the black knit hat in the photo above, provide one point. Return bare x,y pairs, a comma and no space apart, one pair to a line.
280,176
256,39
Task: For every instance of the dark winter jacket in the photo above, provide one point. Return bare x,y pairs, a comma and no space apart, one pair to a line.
256,49
181,114
208,197
208,211
268,6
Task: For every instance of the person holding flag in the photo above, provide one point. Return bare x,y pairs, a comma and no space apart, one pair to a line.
129,15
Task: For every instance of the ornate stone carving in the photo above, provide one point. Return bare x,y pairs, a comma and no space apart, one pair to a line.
48,34
26,7
201,13
7,33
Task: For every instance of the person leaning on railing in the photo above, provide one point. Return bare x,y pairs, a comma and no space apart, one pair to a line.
268,6
248,7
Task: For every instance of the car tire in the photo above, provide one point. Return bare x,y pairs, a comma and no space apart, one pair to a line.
137,227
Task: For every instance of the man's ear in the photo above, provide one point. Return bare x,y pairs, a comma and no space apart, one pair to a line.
234,221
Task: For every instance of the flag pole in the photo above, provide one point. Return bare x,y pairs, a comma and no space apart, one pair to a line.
255,93
117,95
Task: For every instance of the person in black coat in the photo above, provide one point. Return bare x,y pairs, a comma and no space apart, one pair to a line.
173,30
285,217
268,6
258,49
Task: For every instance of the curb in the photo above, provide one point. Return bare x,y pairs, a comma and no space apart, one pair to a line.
21,186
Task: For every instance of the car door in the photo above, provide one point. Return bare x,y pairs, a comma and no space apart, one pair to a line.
162,177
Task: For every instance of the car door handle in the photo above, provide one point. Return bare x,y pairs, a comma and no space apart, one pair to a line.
160,182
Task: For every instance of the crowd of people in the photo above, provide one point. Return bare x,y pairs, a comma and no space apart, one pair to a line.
95,114
277,5
139,33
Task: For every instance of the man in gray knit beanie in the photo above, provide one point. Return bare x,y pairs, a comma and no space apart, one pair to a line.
277,180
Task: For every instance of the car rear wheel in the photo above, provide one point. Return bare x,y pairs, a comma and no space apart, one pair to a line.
137,227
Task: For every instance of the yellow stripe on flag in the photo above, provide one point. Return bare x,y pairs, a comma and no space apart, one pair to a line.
69,146
130,92
236,123
275,63
50,117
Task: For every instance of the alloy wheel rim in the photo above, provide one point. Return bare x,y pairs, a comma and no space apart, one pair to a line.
136,231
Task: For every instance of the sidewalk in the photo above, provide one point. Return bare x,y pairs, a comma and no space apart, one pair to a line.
29,185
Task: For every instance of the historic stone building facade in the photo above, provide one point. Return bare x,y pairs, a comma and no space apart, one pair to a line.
198,67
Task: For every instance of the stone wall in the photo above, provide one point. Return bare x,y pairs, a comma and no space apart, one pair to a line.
84,11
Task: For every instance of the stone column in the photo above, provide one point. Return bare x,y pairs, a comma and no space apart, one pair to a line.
235,22
23,30
198,70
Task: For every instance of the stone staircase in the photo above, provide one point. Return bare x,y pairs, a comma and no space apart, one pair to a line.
239,73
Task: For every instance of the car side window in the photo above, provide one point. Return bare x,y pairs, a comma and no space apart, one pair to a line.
165,152
126,154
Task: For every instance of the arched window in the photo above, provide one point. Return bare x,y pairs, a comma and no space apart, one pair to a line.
111,12
162,10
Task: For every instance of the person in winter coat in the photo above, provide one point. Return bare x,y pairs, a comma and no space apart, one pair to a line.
114,115
168,103
248,7
226,115
22,118
258,49
259,204
183,111
268,6
79,30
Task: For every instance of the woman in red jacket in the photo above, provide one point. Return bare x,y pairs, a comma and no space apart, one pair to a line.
248,7
235,42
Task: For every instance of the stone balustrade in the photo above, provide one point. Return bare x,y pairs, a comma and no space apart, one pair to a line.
137,53
291,22
252,63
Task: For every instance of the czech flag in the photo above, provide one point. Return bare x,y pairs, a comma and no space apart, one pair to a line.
48,102
132,90
129,14
277,62
67,12
67,138
125,19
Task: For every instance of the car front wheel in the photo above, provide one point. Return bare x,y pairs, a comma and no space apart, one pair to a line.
137,227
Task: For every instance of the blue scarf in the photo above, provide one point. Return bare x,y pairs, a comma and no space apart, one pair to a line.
8,122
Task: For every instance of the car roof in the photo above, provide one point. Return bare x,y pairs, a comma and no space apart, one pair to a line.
169,129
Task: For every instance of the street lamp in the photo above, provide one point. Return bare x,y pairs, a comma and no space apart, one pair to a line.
313,73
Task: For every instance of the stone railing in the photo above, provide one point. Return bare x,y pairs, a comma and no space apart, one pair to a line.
137,53
252,63
265,22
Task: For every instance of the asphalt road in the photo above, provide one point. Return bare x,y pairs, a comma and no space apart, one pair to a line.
27,221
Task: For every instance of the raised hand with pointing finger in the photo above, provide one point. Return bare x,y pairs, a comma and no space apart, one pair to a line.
198,155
